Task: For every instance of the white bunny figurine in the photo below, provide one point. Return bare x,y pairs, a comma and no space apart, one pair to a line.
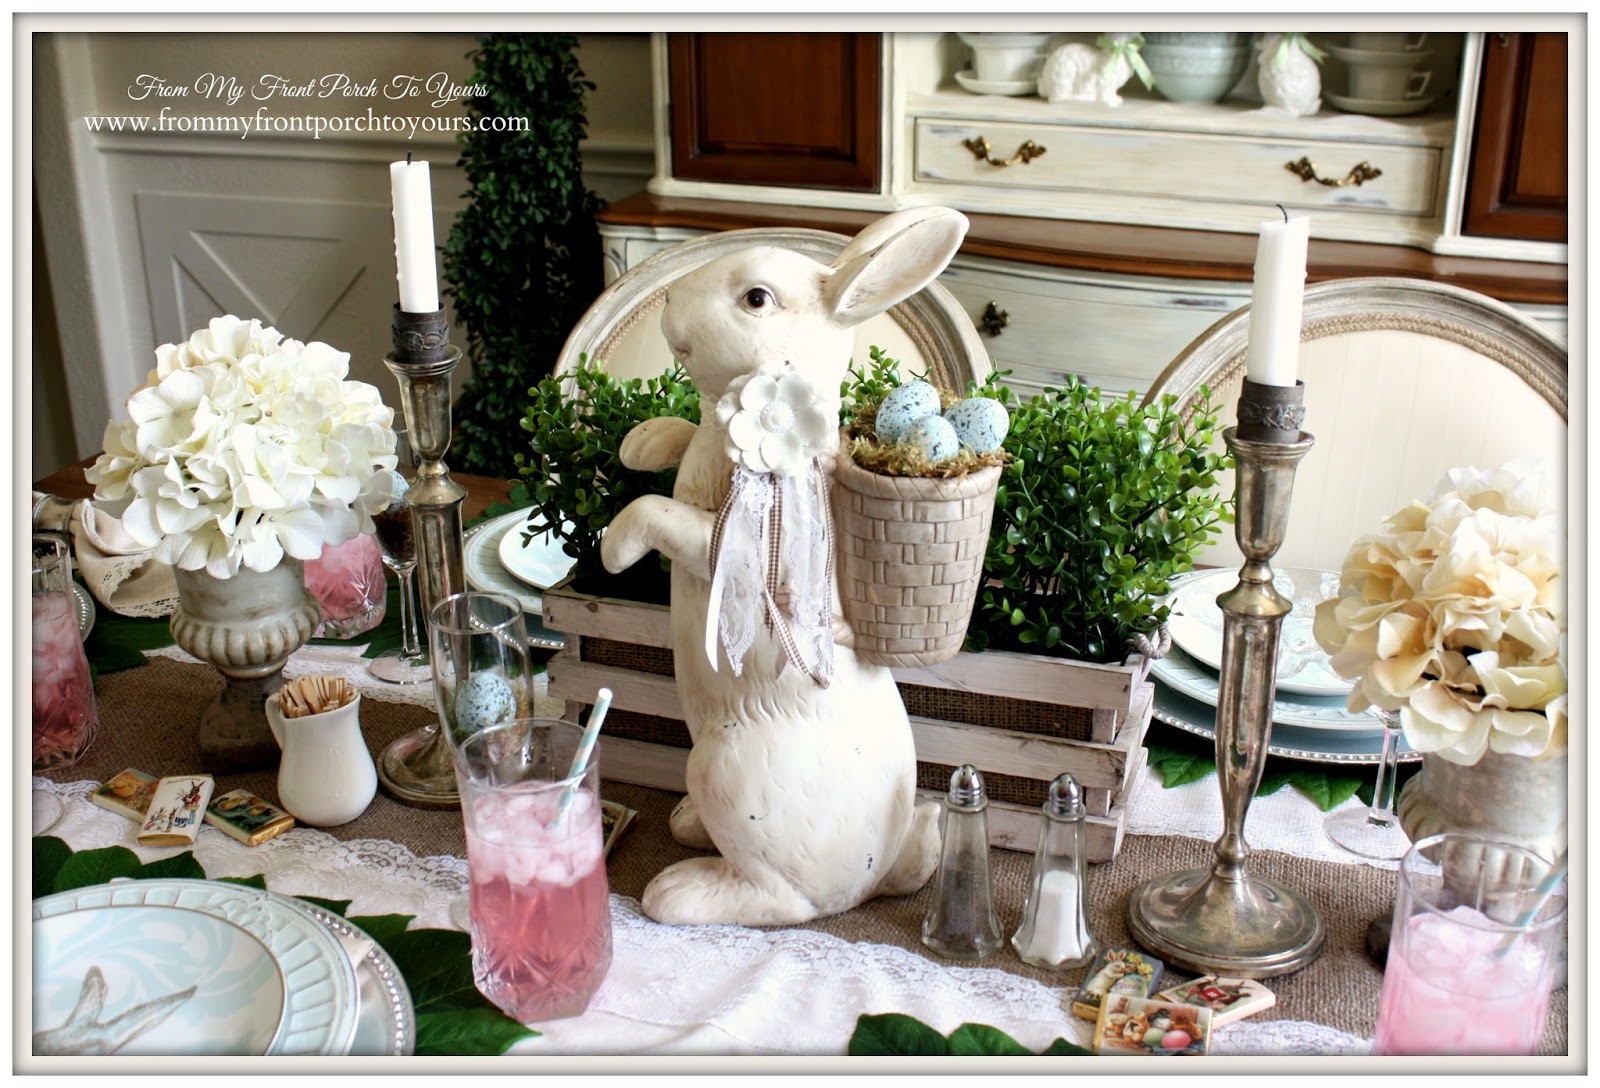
1076,72
802,772
1290,79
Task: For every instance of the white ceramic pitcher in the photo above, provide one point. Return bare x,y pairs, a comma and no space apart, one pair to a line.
326,776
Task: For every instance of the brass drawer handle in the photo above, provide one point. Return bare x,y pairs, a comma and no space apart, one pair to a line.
979,146
994,319
1307,171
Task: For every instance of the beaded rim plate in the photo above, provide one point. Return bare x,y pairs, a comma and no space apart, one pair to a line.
321,1002
85,605
1291,742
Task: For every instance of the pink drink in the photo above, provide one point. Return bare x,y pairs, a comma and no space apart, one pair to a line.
63,695
1446,992
541,917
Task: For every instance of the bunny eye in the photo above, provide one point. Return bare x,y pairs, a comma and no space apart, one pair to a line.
759,300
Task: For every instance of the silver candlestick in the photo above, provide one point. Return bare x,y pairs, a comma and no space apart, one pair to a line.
1221,920
417,769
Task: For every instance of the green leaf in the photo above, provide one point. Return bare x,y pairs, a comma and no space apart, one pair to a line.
49,854
1062,1047
258,881
178,865
382,927
894,1033
1273,779
1329,789
332,906
469,1032
87,868
1178,767
118,642
979,1039
437,966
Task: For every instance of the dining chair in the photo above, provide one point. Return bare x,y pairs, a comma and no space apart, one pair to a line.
1404,380
928,332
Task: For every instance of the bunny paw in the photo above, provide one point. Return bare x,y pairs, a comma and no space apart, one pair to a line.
708,891
686,827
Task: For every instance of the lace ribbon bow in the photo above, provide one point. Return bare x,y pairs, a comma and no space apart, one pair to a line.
772,543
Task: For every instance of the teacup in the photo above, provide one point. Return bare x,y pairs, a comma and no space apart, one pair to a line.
1006,58
1388,42
1388,82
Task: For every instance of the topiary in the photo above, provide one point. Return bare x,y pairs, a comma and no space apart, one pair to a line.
523,258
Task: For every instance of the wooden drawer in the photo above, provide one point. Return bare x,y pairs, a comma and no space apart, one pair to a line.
1176,165
1118,334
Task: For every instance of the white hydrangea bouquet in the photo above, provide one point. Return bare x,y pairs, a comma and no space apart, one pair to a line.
243,447
1455,616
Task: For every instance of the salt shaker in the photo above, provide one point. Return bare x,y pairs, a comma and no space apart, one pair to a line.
1055,928
962,922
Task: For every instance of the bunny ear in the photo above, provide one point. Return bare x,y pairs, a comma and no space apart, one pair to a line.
891,259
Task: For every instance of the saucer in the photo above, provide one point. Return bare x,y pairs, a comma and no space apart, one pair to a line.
1379,107
1380,57
972,83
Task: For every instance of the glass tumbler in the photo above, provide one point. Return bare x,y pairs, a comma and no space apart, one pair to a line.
540,904
482,668
64,719
1466,974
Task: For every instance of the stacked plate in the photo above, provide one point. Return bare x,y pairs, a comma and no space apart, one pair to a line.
497,560
171,966
1309,719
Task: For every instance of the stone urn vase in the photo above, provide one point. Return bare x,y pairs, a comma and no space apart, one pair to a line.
247,626
1514,798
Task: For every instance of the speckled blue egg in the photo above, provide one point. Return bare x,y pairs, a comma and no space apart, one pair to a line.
904,406
980,423
484,700
933,437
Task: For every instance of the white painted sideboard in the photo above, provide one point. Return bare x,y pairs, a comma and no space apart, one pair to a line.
1147,163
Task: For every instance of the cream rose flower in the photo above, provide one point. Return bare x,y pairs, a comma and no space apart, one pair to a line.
776,421
1455,616
244,447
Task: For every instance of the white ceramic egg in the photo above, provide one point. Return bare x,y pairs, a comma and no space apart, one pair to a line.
484,700
903,406
933,437
980,423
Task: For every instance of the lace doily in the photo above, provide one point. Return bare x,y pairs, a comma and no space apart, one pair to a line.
678,990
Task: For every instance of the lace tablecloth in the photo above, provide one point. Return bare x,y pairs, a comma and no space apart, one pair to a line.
714,990
700,990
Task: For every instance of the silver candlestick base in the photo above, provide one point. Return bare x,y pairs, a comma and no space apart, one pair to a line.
418,769
1221,920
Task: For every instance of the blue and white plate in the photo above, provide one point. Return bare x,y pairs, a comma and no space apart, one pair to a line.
1291,742
1188,677
1303,669
140,943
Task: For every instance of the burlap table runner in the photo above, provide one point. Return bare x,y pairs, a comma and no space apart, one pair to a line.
147,717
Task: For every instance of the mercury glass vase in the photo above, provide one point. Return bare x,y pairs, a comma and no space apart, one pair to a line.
246,626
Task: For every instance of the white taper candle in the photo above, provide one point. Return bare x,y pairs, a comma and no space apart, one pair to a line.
1280,285
413,236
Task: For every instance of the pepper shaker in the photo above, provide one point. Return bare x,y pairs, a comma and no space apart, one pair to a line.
962,922
1055,927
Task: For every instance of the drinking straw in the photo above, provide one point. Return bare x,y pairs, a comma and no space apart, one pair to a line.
580,758
1541,893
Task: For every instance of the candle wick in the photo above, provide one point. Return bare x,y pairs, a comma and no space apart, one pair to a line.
408,163
1278,206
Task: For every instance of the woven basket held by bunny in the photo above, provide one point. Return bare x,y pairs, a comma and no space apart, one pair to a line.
911,552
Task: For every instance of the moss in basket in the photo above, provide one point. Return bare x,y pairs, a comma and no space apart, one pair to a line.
573,469
862,393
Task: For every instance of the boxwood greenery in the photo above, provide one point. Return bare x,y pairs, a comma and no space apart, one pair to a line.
1103,501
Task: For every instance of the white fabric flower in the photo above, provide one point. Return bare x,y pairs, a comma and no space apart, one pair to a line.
776,421
244,447
1456,617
